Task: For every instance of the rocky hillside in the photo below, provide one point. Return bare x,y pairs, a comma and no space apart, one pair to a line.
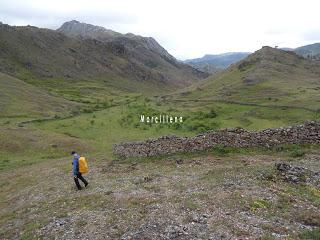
83,30
269,76
76,29
43,56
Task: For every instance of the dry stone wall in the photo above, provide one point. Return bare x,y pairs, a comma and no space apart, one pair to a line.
309,132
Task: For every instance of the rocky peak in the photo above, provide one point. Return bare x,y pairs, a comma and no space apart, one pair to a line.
75,28
271,58
270,52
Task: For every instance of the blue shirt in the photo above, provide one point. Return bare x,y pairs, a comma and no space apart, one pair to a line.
75,164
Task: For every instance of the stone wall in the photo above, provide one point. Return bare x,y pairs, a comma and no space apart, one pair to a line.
309,132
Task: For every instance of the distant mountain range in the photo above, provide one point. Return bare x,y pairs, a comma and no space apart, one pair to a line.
214,63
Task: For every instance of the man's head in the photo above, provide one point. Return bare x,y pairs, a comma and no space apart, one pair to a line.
73,153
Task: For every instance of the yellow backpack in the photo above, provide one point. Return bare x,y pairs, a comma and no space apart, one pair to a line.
83,165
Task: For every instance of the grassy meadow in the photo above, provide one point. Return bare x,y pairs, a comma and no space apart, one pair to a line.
94,128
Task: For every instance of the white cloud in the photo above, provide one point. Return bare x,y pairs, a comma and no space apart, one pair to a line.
187,29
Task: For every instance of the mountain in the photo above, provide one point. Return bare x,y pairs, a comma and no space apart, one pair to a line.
214,63
88,31
135,44
308,50
311,51
269,77
287,49
82,58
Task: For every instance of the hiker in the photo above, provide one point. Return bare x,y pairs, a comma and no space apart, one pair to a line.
76,173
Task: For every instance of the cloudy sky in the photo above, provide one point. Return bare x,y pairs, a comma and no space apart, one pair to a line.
187,29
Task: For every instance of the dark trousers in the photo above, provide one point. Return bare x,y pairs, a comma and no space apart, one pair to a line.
76,180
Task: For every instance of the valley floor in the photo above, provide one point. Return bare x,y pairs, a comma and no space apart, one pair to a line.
222,194
204,196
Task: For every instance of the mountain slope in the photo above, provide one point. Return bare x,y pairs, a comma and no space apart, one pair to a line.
308,50
47,57
134,42
269,77
214,63
19,99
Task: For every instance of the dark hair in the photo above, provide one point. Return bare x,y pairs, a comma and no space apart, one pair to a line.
73,152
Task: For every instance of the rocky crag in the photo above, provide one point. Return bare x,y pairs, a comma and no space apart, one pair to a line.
307,133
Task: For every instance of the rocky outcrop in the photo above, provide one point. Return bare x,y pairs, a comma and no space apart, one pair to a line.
309,132
296,174
74,28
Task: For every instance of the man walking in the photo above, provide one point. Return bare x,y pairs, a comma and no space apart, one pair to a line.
76,174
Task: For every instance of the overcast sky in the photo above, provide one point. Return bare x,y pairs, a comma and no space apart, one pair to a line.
187,29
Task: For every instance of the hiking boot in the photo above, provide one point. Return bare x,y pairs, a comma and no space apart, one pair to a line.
86,184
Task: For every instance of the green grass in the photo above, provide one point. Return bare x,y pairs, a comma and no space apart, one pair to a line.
238,115
21,100
104,128
95,128
21,146
277,79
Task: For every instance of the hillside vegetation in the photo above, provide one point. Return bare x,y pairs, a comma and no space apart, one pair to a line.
269,77
20,99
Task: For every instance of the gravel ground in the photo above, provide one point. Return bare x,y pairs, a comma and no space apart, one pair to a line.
202,197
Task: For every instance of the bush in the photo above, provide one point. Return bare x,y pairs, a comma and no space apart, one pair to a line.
87,110
176,126
198,126
259,204
221,150
211,114
297,153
